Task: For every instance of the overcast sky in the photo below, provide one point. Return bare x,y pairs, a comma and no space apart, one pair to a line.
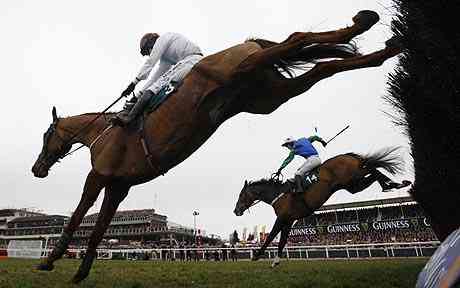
80,55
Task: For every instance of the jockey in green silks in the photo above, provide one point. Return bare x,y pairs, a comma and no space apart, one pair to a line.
302,147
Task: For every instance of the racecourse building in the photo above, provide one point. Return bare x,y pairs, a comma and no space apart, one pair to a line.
8,217
127,229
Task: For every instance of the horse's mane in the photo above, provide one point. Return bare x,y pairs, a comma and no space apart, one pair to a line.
97,113
309,55
271,181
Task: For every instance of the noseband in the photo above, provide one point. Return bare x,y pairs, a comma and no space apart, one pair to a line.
54,157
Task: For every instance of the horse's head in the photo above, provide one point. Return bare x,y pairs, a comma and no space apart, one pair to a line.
54,148
246,199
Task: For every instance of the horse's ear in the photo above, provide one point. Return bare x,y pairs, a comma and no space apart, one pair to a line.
55,118
245,183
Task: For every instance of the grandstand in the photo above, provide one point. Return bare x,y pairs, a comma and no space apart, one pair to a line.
380,221
128,229
8,215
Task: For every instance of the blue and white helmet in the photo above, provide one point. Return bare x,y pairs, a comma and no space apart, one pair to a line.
288,140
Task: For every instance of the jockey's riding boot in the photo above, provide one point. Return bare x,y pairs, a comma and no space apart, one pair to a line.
124,119
298,182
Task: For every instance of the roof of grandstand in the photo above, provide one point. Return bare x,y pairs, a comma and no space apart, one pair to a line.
10,212
129,212
369,203
37,218
142,213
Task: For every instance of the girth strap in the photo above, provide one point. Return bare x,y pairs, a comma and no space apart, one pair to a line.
145,146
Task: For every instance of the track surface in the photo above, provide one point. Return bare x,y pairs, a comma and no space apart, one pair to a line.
136,274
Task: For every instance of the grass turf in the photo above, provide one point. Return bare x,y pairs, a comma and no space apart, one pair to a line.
136,274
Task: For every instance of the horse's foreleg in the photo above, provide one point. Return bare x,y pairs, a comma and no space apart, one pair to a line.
283,240
114,194
363,21
93,186
275,230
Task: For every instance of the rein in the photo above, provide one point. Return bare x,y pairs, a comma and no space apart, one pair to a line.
87,126
92,143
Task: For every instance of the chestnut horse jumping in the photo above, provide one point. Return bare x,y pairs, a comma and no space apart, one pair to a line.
351,172
245,78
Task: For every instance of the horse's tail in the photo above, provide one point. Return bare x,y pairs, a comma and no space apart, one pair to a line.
385,158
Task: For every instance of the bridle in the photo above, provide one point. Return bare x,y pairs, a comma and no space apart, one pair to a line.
60,153
68,143
254,202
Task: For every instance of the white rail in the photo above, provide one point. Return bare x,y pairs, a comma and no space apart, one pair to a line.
377,250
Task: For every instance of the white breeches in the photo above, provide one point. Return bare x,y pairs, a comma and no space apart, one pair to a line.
176,73
310,163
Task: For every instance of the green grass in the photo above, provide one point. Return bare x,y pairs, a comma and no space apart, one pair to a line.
136,274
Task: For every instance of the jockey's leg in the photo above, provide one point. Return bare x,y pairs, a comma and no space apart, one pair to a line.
310,163
363,21
124,119
152,89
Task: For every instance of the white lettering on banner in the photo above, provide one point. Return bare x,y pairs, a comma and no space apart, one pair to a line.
395,224
343,228
302,231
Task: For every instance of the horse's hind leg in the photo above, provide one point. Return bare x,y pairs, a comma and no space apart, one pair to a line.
93,186
361,183
114,194
288,88
363,21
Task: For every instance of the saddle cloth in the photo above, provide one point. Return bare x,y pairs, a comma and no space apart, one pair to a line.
309,179
162,95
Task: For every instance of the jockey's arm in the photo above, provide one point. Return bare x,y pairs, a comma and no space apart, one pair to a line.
162,68
287,161
318,139
157,51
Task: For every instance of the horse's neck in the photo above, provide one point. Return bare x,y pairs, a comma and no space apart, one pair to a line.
72,127
267,193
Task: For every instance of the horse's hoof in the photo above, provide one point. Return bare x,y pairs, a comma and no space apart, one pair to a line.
44,267
276,262
255,258
366,19
394,42
406,183
79,277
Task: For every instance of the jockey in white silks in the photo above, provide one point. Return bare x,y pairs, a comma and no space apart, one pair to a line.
176,56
